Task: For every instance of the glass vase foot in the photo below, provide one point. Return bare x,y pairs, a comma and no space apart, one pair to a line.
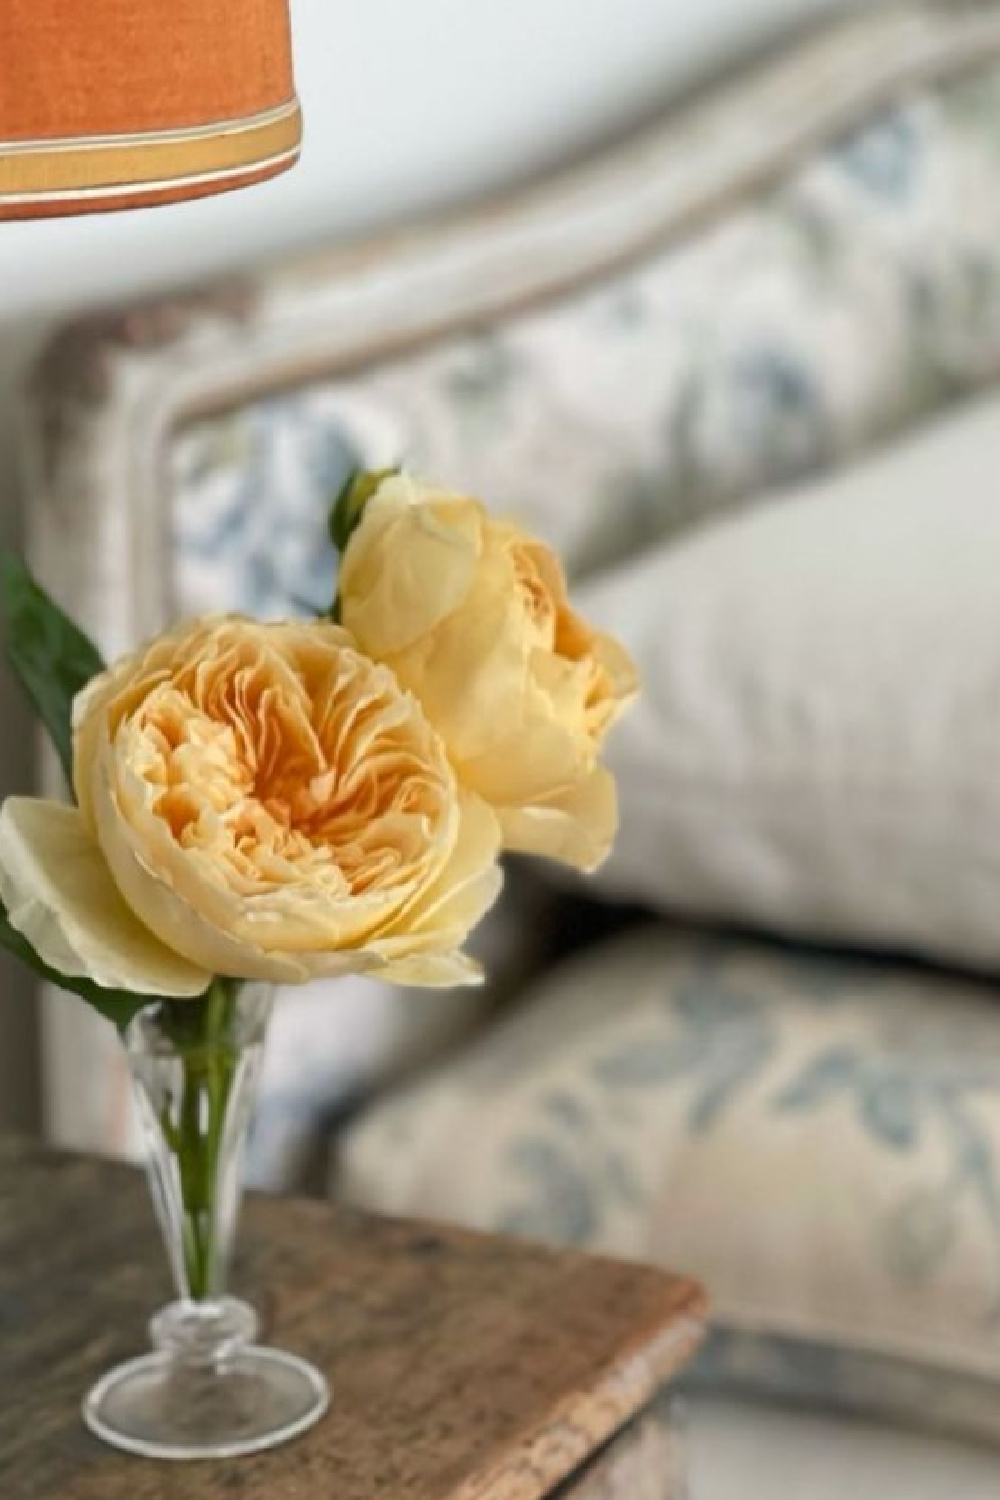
207,1391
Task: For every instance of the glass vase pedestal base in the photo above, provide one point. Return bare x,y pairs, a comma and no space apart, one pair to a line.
207,1390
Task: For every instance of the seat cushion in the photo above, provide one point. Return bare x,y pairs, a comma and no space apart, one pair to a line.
742,1451
814,1135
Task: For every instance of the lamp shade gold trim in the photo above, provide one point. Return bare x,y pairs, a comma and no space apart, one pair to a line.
255,171
41,169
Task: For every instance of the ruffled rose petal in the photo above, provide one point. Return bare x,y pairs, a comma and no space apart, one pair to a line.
576,827
60,895
175,920
433,971
468,885
472,675
397,604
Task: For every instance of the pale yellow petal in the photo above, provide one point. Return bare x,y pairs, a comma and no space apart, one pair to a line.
89,707
433,971
422,946
338,963
60,895
445,913
473,675
622,671
537,761
408,566
576,828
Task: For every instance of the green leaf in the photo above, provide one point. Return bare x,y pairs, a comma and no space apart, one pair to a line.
349,505
51,657
116,1006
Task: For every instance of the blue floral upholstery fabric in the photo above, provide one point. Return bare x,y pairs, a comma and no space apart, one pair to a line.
817,1135
859,295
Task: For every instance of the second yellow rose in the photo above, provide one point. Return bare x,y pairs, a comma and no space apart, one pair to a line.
472,616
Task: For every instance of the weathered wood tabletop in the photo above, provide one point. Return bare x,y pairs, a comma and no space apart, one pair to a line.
464,1367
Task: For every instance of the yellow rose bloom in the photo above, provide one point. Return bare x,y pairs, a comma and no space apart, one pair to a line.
472,616
257,801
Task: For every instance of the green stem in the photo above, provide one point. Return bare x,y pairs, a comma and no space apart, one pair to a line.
201,1032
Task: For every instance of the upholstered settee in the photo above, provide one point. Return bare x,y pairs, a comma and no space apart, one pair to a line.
741,377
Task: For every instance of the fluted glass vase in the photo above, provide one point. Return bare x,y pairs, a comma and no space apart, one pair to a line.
207,1390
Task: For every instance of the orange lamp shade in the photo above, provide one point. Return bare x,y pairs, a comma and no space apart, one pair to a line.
110,104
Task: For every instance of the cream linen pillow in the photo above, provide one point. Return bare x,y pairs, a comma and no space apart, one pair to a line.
817,747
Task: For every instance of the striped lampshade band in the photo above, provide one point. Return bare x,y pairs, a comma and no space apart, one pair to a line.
73,175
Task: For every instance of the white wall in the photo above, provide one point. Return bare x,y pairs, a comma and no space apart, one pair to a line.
409,103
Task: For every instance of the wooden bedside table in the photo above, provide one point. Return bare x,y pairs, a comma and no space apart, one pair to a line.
464,1367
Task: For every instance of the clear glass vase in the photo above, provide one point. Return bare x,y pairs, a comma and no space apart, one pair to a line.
207,1390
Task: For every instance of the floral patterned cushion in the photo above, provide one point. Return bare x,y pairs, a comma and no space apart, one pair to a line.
815,1135
860,294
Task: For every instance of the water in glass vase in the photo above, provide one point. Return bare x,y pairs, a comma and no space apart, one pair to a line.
208,1390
